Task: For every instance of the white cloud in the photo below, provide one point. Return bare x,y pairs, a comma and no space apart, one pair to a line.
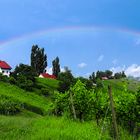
82,65
100,58
49,70
118,69
132,70
62,69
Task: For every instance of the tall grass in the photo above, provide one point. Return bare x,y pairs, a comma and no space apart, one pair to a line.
52,128
47,128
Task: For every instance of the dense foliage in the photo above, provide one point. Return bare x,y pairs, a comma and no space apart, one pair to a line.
56,66
84,101
95,104
66,80
106,74
38,59
9,106
24,77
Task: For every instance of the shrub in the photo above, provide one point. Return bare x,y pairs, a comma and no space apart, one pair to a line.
24,83
24,77
45,91
4,78
87,104
9,106
12,80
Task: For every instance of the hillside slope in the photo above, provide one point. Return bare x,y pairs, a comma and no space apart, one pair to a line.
30,124
120,84
12,96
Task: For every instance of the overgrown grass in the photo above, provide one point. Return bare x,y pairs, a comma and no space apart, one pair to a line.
30,100
47,128
27,125
52,128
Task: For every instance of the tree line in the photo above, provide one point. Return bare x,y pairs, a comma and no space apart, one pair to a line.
39,61
106,74
24,75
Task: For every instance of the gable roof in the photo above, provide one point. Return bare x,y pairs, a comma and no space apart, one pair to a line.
46,75
4,65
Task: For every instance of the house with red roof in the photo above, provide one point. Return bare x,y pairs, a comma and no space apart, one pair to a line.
46,75
5,68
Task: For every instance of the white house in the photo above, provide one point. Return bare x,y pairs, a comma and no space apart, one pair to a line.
5,68
46,75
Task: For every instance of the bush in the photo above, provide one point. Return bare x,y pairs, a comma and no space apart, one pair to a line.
95,104
87,104
12,80
45,91
4,78
24,83
66,80
9,106
24,77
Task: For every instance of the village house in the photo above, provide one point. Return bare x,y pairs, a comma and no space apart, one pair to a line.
5,68
104,78
46,75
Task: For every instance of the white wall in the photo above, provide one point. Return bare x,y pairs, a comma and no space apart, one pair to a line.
5,72
40,76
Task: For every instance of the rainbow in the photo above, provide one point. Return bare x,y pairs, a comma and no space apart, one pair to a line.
67,29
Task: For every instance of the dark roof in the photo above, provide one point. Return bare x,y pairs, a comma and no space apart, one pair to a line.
46,75
4,65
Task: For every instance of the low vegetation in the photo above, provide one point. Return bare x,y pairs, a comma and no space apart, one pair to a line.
67,108
92,121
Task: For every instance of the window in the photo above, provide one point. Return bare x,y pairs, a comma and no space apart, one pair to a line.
3,71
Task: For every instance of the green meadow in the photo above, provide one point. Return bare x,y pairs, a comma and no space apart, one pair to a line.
30,118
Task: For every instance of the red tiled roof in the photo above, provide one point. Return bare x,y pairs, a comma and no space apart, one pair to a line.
46,75
4,65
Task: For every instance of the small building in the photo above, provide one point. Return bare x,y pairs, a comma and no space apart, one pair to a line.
5,68
46,75
104,78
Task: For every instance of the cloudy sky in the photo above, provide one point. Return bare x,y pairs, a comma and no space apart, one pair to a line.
87,35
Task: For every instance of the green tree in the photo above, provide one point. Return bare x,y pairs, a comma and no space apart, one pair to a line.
108,73
66,80
92,77
24,70
123,74
56,66
88,83
38,59
118,75
100,74
24,76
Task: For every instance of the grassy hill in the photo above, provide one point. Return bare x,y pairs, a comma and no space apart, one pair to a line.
29,124
30,119
119,84
14,100
50,84
10,94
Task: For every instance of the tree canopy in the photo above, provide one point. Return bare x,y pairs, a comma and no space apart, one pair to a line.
56,66
38,59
